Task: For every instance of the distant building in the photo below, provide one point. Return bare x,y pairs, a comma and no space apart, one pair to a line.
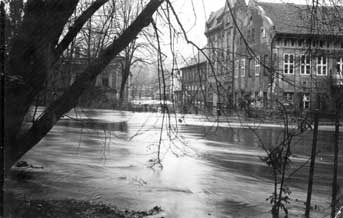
286,59
262,53
219,68
195,92
104,93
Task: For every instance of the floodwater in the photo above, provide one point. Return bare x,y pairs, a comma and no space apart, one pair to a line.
207,170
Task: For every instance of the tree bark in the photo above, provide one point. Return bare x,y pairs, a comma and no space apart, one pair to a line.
29,60
335,163
123,84
311,172
70,97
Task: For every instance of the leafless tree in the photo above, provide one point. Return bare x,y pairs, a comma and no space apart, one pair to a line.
37,47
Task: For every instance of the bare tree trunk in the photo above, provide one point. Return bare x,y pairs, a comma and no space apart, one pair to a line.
29,61
313,159
335,165
123,84
17,147
2,71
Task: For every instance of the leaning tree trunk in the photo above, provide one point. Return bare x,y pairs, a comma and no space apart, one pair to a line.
17,146
123,84
29,62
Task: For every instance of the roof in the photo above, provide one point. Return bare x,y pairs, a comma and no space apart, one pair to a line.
215,19
296,19
196,59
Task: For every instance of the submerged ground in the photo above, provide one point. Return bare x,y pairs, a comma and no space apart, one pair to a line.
209,169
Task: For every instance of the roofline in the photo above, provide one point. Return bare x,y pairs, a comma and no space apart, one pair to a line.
192,65
308,35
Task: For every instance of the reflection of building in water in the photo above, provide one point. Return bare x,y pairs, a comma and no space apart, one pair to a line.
104,93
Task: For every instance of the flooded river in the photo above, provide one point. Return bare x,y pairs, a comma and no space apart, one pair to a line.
207,170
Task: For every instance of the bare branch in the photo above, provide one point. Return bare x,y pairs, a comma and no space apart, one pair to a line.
75,29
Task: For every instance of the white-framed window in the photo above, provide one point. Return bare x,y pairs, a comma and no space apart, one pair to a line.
243,67
257,67
288,64
72,78
306,101
236,71
300,43
322,66
289,97
263,33
339,66
305,65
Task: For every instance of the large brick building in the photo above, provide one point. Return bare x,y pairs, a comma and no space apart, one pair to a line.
293,61
265,54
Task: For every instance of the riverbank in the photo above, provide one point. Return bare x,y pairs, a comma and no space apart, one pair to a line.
70,208
255,123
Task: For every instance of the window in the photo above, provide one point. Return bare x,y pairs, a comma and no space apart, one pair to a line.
72,79
339,66
263,33
321,43
236,73
306,101
243,67
339,73
321,66
305,65
288,64
300,43
105,82
257,67
289,96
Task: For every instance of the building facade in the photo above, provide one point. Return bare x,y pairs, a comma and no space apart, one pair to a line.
104,93
195,89
265,54
293,62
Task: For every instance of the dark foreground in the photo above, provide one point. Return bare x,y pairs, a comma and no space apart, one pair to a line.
69,208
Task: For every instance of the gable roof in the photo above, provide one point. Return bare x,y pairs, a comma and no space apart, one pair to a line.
215,19
197,59
296,19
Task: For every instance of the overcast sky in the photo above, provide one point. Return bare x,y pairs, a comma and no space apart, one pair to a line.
194,13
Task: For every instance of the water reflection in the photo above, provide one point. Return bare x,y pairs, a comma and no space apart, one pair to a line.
268,137
96,124
226,179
